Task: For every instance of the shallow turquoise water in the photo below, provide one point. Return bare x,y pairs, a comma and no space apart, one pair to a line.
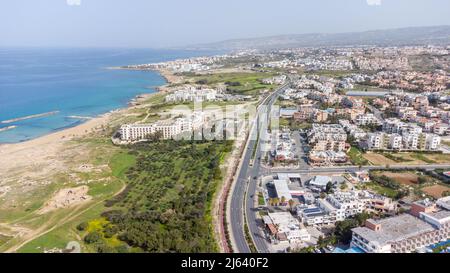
74,82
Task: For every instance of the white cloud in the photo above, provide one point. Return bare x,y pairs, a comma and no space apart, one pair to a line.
373,2
73,2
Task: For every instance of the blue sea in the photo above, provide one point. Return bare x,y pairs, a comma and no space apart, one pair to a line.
74,82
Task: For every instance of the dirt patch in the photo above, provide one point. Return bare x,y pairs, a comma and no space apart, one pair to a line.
436,190
403,178
439,158
378,159
67,198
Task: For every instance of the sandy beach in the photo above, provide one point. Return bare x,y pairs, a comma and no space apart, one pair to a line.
55,138
44,148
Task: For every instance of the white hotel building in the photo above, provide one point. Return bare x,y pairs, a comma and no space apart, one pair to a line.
168,129
425,225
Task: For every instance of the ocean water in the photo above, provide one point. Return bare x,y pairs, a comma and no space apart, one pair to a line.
74,82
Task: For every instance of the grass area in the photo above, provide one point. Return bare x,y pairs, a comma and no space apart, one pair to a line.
4,239
120,163
361,87
237,82
423,158
356,156
291,124
261,200
285,103
411,158
391,193
284,122
396,158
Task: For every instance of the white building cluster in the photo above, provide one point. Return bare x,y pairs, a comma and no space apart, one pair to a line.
327,137
341,205
397,135
192,94
168,128
284,228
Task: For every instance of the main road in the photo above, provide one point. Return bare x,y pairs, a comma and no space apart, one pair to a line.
245,185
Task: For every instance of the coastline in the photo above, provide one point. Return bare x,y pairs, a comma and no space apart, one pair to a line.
86,127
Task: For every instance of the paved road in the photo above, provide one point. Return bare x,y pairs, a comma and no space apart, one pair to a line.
357,168
245,186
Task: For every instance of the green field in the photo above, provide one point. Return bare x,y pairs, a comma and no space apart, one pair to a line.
391,193
356,157
237,83
166,205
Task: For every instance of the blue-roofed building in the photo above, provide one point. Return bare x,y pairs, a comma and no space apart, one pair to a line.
315,216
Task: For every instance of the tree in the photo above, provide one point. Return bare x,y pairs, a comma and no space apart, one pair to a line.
276,201
82,226
329,187
92,237
291,203
422,179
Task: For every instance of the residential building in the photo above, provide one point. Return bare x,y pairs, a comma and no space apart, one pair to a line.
426,224
286,228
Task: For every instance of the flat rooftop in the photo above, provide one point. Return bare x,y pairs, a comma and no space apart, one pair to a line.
394,229
440,215
282,189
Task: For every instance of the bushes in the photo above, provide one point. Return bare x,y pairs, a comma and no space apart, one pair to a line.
82,226
390,183
92,237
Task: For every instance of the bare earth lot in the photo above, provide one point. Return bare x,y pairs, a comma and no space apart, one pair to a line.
407,158
378,159
436,190
405,178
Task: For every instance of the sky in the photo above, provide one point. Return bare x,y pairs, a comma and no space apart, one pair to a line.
174,23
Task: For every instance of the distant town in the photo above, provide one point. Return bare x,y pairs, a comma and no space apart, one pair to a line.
349,150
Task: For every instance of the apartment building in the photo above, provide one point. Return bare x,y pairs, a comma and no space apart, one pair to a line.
342,204
327,137
426,224
376,141
406,141
366,119
351,102
395,142
325,158
432,142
